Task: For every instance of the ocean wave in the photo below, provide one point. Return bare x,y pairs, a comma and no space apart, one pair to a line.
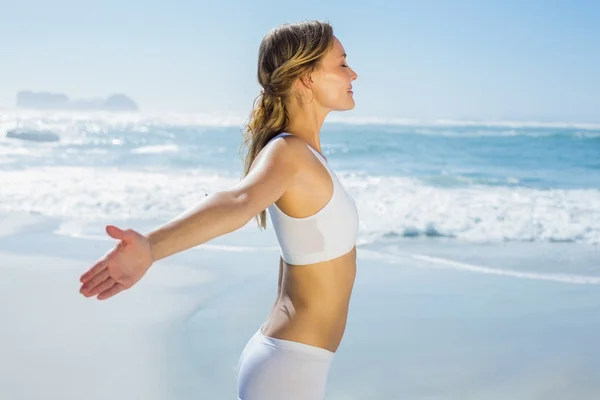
405,207
440,262
92,193
389,206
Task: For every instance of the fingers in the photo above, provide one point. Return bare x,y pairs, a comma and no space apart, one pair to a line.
104,286
116,233
114,289
91,287
95,270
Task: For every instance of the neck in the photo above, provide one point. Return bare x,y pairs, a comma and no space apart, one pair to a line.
306,122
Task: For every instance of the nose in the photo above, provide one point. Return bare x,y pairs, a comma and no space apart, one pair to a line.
354,75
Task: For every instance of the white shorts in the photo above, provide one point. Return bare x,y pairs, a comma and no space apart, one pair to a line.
276,369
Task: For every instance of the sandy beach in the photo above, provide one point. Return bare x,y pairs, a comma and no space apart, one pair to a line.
419,327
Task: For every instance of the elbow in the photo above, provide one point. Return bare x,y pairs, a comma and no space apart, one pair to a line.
244,209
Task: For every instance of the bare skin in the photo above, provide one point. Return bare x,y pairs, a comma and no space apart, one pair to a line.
312,302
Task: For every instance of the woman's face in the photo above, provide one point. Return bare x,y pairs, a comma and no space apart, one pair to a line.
332,81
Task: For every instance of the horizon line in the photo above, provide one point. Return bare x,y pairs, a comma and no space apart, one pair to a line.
235,119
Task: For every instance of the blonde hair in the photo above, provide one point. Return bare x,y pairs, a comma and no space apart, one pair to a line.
286,53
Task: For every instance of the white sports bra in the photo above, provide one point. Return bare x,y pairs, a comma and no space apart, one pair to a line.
328,234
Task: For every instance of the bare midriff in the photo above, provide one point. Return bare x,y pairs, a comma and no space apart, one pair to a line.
312,303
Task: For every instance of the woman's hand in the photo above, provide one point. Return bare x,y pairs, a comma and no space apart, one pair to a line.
121,267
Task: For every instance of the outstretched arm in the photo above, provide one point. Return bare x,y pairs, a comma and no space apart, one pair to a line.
226,211
274,170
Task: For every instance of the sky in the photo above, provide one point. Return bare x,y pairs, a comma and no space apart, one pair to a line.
463,60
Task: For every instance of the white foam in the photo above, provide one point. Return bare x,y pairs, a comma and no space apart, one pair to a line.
158,149
406,207
100,193
387,205
439,262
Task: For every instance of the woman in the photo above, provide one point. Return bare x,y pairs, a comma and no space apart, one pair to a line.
303,72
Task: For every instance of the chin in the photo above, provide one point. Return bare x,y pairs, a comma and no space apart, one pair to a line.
349,106
345,106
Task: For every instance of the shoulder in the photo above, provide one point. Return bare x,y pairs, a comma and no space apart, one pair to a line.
287,150
289,144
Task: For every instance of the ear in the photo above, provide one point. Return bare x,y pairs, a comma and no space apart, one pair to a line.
306,81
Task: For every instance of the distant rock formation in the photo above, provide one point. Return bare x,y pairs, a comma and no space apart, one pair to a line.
60,101
120,102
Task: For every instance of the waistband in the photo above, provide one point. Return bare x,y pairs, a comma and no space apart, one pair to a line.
295,346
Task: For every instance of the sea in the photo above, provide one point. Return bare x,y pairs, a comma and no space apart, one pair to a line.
456,182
